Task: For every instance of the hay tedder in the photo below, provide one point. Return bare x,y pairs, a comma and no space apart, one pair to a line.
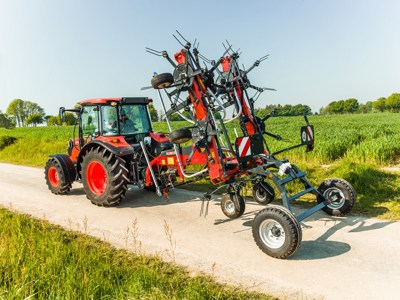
116,146
208,98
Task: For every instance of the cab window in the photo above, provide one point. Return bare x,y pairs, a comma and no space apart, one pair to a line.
109,120
90,123
139,117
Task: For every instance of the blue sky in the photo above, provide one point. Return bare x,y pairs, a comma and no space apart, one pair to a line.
57,52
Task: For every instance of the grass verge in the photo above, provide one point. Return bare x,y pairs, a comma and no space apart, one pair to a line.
43,261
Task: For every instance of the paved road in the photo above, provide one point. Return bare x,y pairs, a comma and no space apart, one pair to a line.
339,258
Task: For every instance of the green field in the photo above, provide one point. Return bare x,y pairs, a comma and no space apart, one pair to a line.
354,147
364,138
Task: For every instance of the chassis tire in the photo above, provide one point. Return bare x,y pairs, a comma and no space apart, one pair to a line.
104,177
233,205
276,231
162,81
340,189
180,136
56,180
263,193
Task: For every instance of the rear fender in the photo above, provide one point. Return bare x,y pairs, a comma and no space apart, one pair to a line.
68,167
118,151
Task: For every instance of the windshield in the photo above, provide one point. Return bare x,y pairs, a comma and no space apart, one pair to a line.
133,119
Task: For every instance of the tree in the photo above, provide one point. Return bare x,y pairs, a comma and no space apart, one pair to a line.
350,105
393,102
70,118
34,119
324,110
336,107
20,110
53,121
365,108
16,111
5,121
153,113
380,104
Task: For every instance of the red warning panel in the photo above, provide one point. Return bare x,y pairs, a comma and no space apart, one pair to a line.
244,146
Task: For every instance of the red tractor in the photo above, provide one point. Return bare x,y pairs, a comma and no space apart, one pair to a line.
114,148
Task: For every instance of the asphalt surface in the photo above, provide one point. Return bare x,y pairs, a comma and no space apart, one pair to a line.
339,258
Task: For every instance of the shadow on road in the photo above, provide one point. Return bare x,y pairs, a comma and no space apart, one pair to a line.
324,248
311,250
136,197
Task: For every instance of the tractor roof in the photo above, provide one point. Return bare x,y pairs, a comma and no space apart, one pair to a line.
123,100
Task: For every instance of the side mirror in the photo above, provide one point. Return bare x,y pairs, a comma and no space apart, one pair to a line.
62,114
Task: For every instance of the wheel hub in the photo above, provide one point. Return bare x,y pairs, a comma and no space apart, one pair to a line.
96,178
53,177
276,231
336,196
261,194
272,234
183,74
230,206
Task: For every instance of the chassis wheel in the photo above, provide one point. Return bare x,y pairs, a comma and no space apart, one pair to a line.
162,81
104,177
180,136
276,231
56,179
232,205
341,193
263,193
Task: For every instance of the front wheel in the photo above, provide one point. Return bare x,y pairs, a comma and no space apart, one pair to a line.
276,231
340,194
56,179
232,205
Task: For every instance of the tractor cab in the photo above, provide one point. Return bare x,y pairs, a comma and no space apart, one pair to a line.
127,117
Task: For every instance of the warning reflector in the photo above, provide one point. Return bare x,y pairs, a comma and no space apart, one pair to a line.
307,134
244,146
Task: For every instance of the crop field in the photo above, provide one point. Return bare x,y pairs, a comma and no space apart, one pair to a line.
366,138
354,147
370,138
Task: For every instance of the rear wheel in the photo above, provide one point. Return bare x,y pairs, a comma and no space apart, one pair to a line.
263,193
104,177
55,178
276,231
233,205
162,81
341,194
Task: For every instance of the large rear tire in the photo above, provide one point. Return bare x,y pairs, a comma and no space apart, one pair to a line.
341,193
56,178
276,231
104,177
